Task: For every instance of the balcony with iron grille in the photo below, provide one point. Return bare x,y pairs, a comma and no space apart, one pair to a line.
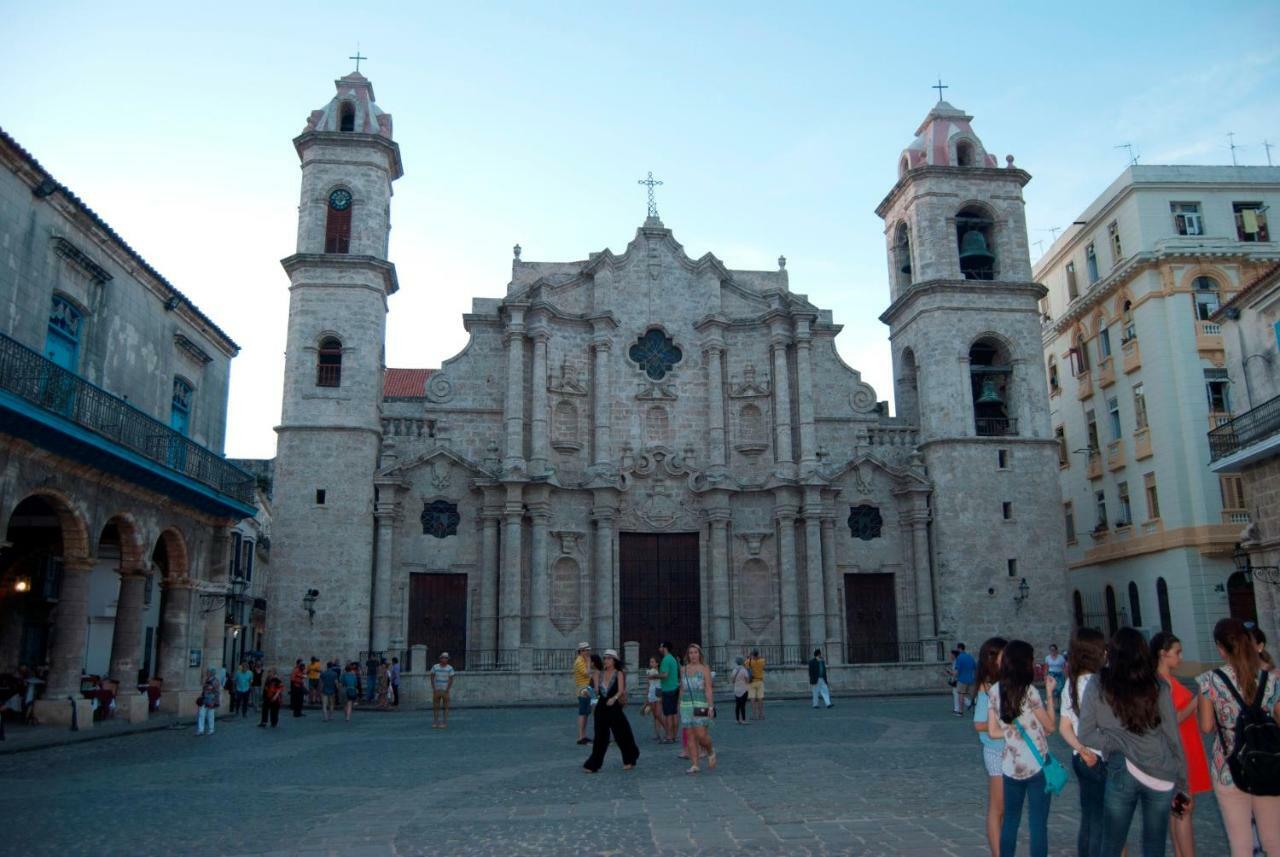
57,410
995,426
1250,437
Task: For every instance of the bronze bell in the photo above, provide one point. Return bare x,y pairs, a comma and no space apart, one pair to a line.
974,253
990,395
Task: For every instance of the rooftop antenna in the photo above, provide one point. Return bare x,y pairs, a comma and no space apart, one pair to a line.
1040,244
1128,147
1231,137
1268,145
1053,232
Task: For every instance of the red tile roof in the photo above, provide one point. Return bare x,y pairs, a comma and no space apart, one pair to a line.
405,383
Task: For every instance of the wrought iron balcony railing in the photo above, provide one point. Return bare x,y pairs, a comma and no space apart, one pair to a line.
46,385
1245,430
996,426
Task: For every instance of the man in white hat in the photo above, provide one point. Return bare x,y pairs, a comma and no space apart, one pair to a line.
582,687
441,684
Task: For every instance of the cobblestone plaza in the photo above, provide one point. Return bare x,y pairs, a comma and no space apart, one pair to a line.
883,776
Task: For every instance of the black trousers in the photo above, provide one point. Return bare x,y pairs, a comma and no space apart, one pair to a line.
295,700
740,707
271,709
610,719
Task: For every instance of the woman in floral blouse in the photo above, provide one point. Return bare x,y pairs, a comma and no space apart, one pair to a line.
1244,669
1015,702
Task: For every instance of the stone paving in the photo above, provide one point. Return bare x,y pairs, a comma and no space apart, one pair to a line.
872,776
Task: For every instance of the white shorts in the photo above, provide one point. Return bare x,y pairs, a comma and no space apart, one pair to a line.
992,757
653,693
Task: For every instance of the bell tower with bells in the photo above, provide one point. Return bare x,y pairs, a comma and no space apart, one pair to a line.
969,372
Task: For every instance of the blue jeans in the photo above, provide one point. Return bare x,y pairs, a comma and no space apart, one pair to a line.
1093,785
1123,796
1037,799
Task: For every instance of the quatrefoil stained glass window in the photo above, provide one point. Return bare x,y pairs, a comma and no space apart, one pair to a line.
655,353
865,522
440,518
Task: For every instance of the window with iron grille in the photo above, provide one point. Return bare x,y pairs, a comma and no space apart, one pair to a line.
329,363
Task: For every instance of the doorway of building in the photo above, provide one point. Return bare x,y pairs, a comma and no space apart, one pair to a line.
1240,600
660,594
438,616
871,614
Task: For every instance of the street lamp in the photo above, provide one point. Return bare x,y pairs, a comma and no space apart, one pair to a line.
22,584
1268,574
1024,592
309,603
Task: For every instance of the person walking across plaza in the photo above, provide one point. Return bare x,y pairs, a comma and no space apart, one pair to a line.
962,692
1055,664
818,679
1128,714
669,687
653,700
1019,716
741,678
207,707
1224,695
272,697
395,682
582,688
384,684
350,689
1166,650
441,684
1085,658
297,687
988,674
697,707
255,699
610,686
329,680
242,684
755,689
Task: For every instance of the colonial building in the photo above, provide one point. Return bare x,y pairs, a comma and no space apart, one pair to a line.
642,445
115,498
1137,376
1248,446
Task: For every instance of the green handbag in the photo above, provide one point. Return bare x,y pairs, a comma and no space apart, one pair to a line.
1055,776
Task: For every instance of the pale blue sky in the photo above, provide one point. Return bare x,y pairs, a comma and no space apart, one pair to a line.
776,130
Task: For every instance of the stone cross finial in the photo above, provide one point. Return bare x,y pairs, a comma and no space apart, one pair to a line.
651,183
357,57
939,86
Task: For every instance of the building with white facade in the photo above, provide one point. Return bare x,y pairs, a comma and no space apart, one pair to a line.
1137,377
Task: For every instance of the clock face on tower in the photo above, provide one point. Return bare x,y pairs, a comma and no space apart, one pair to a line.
340,200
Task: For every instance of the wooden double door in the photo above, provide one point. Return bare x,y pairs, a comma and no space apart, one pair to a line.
871,618
660,595
438,616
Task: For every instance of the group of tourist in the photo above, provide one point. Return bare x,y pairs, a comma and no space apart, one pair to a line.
1135,732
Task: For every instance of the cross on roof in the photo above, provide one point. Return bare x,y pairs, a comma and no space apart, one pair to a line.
651,183
940,86
357,58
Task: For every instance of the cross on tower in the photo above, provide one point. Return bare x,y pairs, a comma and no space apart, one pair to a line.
357,58
940,86
651,183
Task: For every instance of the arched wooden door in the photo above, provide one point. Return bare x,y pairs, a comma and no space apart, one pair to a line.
1240,600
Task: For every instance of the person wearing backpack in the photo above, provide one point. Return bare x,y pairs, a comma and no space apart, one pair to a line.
1240,706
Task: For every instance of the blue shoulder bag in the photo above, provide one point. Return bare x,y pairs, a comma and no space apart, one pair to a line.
1055,776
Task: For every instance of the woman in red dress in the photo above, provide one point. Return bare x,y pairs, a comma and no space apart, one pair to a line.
1167,651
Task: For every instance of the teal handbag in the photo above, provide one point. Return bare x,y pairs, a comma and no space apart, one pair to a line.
1055,776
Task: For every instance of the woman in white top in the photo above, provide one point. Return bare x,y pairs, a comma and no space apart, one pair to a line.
1086,656
1016,703
741,678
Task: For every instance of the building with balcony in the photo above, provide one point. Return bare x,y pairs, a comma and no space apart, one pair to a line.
116,501
1134,348
1246,449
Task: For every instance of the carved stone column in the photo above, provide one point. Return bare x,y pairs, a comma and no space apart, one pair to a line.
487,621
385,515
602,573
804,398
126,637
830,576
781,398
71,626
923,568
175,623
513,405
786,517
540,582
539,442
509,591
713,357
719,560
600,346
815,585
215,621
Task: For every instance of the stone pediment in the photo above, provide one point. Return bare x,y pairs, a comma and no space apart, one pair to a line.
441,461
863,467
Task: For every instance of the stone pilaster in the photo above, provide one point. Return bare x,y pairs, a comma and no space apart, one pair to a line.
603,515
600,346
509,591
126,637
718,554
487,621
804,400
781,401
922,568
786,517
539,441
513,404
815,585
385,516
71,625
215,619
540,582
835,605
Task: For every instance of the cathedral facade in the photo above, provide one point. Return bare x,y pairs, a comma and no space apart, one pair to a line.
641,445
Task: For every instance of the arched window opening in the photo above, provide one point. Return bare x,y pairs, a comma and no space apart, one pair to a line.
1077,607
337,227
975,233
1162,602
1135,605
990,376
62,340
903,166
329,363
964,154
1206,295
902,255
347,118
1113,618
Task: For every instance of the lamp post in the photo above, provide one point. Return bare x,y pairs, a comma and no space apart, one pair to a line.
1024,592
1268,574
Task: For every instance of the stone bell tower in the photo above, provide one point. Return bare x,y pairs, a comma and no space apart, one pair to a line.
965,331
330,428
